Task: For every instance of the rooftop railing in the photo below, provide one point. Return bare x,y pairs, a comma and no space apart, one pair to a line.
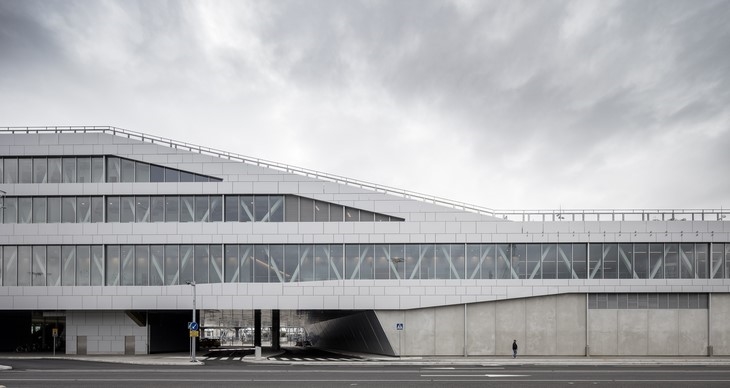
510,215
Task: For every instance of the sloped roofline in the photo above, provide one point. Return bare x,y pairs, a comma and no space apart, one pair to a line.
513,215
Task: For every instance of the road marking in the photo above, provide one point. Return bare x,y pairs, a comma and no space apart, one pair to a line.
487,375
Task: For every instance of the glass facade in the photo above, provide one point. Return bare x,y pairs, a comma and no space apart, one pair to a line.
145,208
90,169
654,301
142,265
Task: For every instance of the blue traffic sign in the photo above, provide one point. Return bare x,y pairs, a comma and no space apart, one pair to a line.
399,326
192,325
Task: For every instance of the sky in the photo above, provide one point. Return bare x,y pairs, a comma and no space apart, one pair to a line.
502,104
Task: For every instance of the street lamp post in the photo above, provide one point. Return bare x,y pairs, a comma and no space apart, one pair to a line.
192,338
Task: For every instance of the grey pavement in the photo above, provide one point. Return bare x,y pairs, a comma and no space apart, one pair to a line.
183,359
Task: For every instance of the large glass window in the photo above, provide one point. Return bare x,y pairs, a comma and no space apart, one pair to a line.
11,210
186,264
687,261
202,208
276,213
128,170
717,261
11,170
54,210
83,265
83,208
580,267
97,265
25,170
97,169
142,172
656,261
53,265
141,266
112,265
69,170
172,265
157,174
39,266
246,258
216,208
231,208
10,266
54,170
68,264
157,265
231,264
142,209
261,208
246,209
25,209
83,166
215,272
40,170
113,170
187,209
157,209
625,261
172,209
126,207
565,259
291,208
24,265
68,209
39,210
97,209
112,210
202,262
127,257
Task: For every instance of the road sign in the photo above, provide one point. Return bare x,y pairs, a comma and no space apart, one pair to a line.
194,333
399,326
54,331
193,326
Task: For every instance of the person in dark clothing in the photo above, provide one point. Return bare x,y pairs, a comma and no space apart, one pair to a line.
514,349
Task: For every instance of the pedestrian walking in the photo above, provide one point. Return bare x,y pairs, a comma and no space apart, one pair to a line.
514,349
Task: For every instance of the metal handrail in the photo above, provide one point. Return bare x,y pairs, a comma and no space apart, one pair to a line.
512,215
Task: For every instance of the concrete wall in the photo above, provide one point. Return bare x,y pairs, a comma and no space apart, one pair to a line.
105,332
542,326
641,332
720,324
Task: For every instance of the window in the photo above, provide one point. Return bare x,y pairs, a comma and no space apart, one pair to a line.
69,170
142,210
83,206
128,170
113,170
142,172
39,210
25,170
40,170
97,169
54,170
83,166
157,174
68,209
11,170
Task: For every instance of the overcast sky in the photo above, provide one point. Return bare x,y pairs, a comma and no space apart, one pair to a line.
503,104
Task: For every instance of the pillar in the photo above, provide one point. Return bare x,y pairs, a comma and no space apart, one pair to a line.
257,328
275,329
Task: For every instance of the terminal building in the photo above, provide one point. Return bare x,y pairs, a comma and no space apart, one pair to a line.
109,236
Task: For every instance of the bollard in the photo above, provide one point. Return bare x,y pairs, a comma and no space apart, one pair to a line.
257,353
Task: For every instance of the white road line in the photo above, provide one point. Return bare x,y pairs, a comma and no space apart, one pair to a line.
487,375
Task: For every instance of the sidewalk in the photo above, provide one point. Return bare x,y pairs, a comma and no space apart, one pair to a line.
183,360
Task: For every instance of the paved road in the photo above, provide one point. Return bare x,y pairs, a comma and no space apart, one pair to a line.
68,373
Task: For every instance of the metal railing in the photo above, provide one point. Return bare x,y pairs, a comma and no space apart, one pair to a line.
510,215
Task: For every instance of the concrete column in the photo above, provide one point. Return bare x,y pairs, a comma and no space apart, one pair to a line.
275,328
257,328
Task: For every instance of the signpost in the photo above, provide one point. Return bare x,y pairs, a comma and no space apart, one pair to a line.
193,327
54,331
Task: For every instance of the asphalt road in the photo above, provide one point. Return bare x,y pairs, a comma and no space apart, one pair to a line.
68,373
